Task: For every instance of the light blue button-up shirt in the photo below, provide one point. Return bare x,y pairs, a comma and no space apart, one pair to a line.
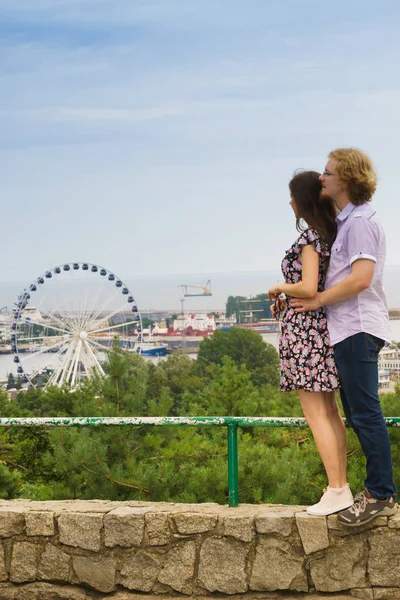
359,235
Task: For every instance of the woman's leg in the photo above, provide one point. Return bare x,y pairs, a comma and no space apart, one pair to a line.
340,430
322,415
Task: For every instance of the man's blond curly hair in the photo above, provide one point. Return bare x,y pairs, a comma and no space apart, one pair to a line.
356,170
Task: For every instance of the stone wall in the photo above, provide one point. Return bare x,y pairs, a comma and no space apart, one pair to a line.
76,550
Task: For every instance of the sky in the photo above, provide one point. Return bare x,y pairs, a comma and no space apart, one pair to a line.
157,137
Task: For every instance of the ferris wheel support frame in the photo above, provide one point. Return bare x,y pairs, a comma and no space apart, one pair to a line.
77,346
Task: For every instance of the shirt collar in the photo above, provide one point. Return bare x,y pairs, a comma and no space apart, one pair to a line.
348,209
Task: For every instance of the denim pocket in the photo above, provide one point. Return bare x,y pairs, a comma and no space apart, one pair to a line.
373,345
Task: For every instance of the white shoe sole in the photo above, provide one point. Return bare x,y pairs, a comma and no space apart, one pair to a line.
330,511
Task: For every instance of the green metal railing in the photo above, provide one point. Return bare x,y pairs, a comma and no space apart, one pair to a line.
231,423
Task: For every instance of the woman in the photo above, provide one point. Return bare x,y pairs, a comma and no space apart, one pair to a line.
307,360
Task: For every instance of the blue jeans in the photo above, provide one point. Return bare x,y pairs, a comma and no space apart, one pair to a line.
357,361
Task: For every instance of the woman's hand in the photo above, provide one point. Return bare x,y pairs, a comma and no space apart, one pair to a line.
274,292
278,307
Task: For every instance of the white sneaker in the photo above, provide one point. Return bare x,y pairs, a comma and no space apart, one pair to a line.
333,500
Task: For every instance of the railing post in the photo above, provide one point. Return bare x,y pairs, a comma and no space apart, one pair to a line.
233,479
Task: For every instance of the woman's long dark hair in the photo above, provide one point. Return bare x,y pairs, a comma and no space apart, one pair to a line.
305,188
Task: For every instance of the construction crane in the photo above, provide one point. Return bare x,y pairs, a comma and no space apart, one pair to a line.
206,289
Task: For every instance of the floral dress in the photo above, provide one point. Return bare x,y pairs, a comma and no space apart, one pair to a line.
307,360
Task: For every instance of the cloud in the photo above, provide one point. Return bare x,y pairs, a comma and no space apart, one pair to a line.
93,114
94,13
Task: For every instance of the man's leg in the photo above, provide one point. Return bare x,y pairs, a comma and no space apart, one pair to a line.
357,361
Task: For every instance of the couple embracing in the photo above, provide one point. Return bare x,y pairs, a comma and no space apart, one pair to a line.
335,321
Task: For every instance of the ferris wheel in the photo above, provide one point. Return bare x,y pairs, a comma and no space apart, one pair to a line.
66,321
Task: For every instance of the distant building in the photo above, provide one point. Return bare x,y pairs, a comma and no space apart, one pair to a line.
5,327
388,368
389,359
385,384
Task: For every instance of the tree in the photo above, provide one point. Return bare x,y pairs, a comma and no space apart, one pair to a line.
230,392
9,482
245,347
147,323
181,377
10,381
265,305
237,304
233,306
115,366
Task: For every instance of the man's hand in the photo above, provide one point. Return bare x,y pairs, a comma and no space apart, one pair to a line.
303,304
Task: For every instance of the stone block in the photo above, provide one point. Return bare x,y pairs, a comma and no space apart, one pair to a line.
159,588
241,528
362,593
394,522
140,572
54,564
157,529
134,596
190,523
39,523
24,562
3,570
313,532
386,593
279,522
384,564
81,530
278,566
222,566
45,591
178,571
12,521
124,526
98,572
341,567
7,592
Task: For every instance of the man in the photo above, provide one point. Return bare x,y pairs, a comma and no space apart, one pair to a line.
358,322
